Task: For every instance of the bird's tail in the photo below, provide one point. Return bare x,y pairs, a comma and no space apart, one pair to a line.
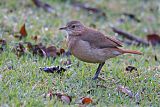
132,52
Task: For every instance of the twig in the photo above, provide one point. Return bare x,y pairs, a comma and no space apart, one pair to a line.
130,36
89,9
45,6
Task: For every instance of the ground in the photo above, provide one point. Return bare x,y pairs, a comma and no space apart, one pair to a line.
24,84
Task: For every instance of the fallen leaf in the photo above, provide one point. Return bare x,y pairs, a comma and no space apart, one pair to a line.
23,31
154,39
63,97
131,68
62,51
51,51
53,69
66,99
124,90
19,49
137,97
39,49
86,100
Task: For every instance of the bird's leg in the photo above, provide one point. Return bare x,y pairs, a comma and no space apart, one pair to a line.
98,70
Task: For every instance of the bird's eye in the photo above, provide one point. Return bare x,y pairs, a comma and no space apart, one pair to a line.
73,26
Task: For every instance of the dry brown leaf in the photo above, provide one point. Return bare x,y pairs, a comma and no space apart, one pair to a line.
23,31
63,97
37,49
124,90
86,100
53,69
51,51
19,49
66,99
154,39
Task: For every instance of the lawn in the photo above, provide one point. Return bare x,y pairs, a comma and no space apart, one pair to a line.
22,83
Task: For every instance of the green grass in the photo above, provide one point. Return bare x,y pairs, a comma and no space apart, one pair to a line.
25,84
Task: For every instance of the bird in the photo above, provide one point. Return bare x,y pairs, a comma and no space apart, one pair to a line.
92,46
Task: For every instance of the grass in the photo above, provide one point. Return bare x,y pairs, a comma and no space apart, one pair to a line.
25,84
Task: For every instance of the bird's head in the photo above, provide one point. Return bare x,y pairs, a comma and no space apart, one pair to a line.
73,28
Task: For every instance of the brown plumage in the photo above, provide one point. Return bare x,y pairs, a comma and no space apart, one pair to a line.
92,46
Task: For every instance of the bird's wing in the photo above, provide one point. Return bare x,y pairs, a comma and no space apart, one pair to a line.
97,39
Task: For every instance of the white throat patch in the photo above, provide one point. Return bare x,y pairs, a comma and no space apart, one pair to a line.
69,32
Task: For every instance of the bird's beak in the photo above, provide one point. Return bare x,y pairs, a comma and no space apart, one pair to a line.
63,28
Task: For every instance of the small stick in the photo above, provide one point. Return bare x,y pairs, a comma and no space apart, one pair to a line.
130,36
